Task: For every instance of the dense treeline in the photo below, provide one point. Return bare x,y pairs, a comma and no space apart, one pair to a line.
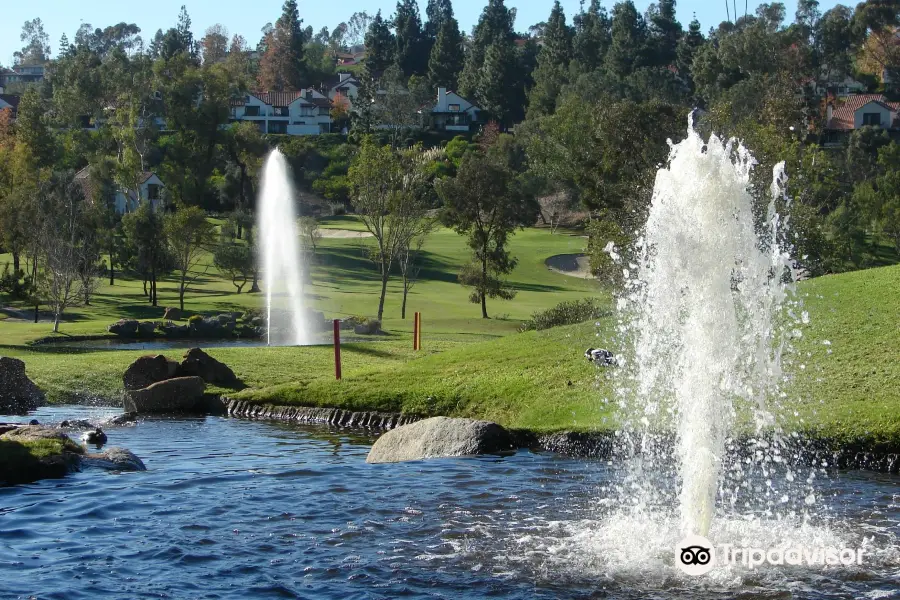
592,101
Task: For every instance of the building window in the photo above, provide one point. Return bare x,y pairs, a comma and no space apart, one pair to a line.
277,127
281,111
872,119
453,108
324,128
307,111
251,111
152,191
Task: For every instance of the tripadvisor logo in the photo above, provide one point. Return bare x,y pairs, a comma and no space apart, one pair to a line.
696,555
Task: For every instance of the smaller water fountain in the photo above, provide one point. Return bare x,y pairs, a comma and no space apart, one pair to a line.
282,259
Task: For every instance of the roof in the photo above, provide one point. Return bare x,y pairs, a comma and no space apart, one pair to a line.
281,99
472,105
843,118
12,100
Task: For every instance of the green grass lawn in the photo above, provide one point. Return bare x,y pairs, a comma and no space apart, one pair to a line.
346,283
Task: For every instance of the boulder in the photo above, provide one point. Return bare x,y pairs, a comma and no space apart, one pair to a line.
146,328
176,331
18,394
198,363
124,328
128,418
181,394
114,459
369,327
33,433
173,314
148,370
440,437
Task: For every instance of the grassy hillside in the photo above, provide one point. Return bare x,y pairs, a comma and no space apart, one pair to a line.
346,283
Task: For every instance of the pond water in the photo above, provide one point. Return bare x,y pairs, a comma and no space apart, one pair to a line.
231,508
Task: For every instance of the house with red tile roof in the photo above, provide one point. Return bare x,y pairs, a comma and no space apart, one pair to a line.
150,188
302,112
845,116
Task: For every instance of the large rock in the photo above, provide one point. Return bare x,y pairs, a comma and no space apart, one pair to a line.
146,328
124,328
114,459
173,314
440,437
198,363
181,394
18,394
147,370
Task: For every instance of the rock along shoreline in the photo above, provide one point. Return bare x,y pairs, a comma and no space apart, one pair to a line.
822,452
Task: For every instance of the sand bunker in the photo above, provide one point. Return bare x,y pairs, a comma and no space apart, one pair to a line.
573,265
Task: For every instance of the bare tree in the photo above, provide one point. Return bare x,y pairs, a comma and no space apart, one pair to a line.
408,258
555,208
357,27
310,233
398,103
62,239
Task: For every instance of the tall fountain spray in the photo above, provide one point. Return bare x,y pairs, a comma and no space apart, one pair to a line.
282,259
704,300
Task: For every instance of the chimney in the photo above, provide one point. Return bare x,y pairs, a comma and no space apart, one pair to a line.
441,99
829,113
344,77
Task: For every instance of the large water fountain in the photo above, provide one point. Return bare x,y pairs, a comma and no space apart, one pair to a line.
282,260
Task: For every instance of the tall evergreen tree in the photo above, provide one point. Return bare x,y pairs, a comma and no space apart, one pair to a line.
665,32
379,46
446,60
64,46
184,30
410,55
628,44
437,12
553,64
592,37
687,47
282,67
496,80
495,26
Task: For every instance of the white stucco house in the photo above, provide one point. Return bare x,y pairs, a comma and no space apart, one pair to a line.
858,111
304,112
345,85
150,190
452,112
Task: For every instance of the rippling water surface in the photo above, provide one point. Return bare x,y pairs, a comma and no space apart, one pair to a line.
240,509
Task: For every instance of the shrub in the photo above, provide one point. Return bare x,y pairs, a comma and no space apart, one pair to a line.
195,319
15,284
566,313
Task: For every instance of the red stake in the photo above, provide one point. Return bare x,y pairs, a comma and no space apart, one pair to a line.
337,349
416,331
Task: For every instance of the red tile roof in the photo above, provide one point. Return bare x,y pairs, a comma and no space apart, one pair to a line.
281,99
843,117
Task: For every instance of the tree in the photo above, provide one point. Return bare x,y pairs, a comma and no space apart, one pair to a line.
309,232
214,45
592,37
380,47
62,239
553,64
190,236
397,105
687,48
37,44
484,203
411,50
665,32
387,201
146,247
409,255
437,12
282,66
357,26
235,259
496,80
495,26
446,60
628,40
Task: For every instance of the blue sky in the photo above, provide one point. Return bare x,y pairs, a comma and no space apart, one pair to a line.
248,16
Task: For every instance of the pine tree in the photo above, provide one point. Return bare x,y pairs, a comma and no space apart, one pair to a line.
184,30
665,32
687,47
628,44
379,47
446,59
553,64
282,67
592,37
437,12
409,55
64,47
496,78
494,26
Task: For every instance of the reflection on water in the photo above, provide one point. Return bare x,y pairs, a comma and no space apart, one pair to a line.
241,509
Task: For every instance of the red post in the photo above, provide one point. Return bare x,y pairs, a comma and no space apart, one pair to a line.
337,349
416,331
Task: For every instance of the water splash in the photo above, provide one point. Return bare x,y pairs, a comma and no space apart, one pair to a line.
704,305
282,260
